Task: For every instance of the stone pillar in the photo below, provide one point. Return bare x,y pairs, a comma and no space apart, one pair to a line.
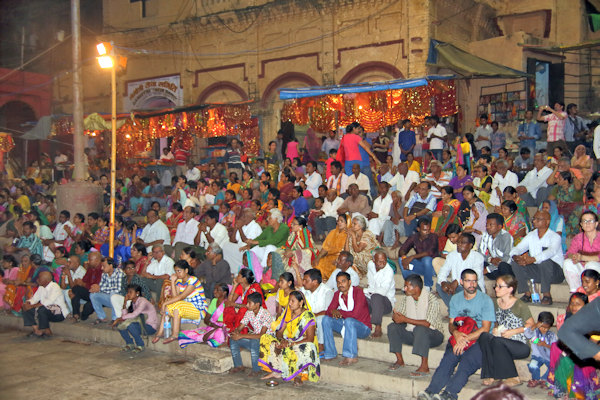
79,197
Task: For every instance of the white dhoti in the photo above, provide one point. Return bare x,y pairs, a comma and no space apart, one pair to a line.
376,225
233,255
263,252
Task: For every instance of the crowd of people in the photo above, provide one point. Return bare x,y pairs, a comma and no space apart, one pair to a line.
277,254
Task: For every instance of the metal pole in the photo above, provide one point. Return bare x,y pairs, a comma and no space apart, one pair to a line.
113,158
78,141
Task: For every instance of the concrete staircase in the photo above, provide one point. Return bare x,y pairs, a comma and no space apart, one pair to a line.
371,372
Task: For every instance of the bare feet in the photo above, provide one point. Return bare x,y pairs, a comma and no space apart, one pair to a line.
253,374
235,370
297,381
169,340
348,361
272,375
327,360
488,381
395,366
377,332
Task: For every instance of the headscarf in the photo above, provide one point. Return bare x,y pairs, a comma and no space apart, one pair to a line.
555,219
312,144
254,265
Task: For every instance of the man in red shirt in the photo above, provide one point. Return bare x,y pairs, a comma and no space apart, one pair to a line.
181,156
347,313
82,287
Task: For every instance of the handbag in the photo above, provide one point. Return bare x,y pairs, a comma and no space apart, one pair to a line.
465,325
140,319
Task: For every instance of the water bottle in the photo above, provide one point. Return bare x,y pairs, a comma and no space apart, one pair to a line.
535,296
167,326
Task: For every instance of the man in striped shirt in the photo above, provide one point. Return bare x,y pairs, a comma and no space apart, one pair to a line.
556,125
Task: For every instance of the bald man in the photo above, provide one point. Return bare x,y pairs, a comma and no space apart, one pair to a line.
47,305
539,257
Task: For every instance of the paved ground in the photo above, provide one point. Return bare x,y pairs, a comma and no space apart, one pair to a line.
63,369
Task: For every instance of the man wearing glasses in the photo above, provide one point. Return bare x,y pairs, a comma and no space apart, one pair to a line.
465,355
539,257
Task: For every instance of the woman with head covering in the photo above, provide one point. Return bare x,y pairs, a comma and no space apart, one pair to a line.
332,246
557,222
299,250
476,224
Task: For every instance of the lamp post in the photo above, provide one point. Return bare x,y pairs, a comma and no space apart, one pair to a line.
108,60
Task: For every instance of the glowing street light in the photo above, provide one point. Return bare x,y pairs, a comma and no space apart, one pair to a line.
108,60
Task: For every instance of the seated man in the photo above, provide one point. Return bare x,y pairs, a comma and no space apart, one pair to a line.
213,270
539,257
211,230
359,179
62,230
456,262
381,209
185,234
405,181
110,283
28,243
47,305
245,228
533,189
495,246
338,180
462,359
156,193
381,292
328,215
417,322
70,273
155,232
343,263
318,297
348,311
421,203
80,288
425,244
159,268
356,202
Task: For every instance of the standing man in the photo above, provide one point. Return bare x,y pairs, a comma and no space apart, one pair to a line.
60,164
233,157
483,134
331,143
556,125
529,131
463,358
436,136
576,129
181,156
407,140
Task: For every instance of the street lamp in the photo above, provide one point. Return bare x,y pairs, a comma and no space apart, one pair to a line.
108,59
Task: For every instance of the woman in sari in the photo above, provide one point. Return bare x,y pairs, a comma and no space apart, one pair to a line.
312,144
464,211
139,188
272,160
246,199
557,222
503,155
361,243
513,221
119,238
581,164
476,225
413,165
262,275
567,376
235,305
174,220
565,194
214,333
18,288
187,303
101,235
299,247
510,193
292,354
592,204
74,234
139,255
332,246
445,213
459,181
247,180
128,238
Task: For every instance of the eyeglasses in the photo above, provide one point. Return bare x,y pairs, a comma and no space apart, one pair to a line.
469,281
588,221
500,286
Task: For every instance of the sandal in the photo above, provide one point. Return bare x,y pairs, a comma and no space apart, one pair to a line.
532,383
99,321
395,366
547,300
169,340
155,339
526,299
489,381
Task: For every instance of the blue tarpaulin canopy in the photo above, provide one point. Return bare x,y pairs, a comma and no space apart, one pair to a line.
298,93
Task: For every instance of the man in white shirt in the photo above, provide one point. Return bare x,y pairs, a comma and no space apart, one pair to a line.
245,228
155,232
381,292
456,262
421,203
187,230
59,233
436,136
344,263
437,178
331,143
318,296
210,230
158,270
502,179
328,215
360,180
381,209
313,179
533,189
69,274
483,133
47,305
539,257
338,180
404,181
193,173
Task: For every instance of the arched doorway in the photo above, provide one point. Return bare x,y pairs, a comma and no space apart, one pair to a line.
372,71
222,92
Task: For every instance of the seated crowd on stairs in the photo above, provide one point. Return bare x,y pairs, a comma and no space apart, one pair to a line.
280,254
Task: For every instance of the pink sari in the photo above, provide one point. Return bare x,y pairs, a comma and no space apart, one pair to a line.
217,336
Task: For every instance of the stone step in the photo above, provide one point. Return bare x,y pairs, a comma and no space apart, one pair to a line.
368,373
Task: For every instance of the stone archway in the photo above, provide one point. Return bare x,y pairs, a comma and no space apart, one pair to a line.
222,92
13,115
372,71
